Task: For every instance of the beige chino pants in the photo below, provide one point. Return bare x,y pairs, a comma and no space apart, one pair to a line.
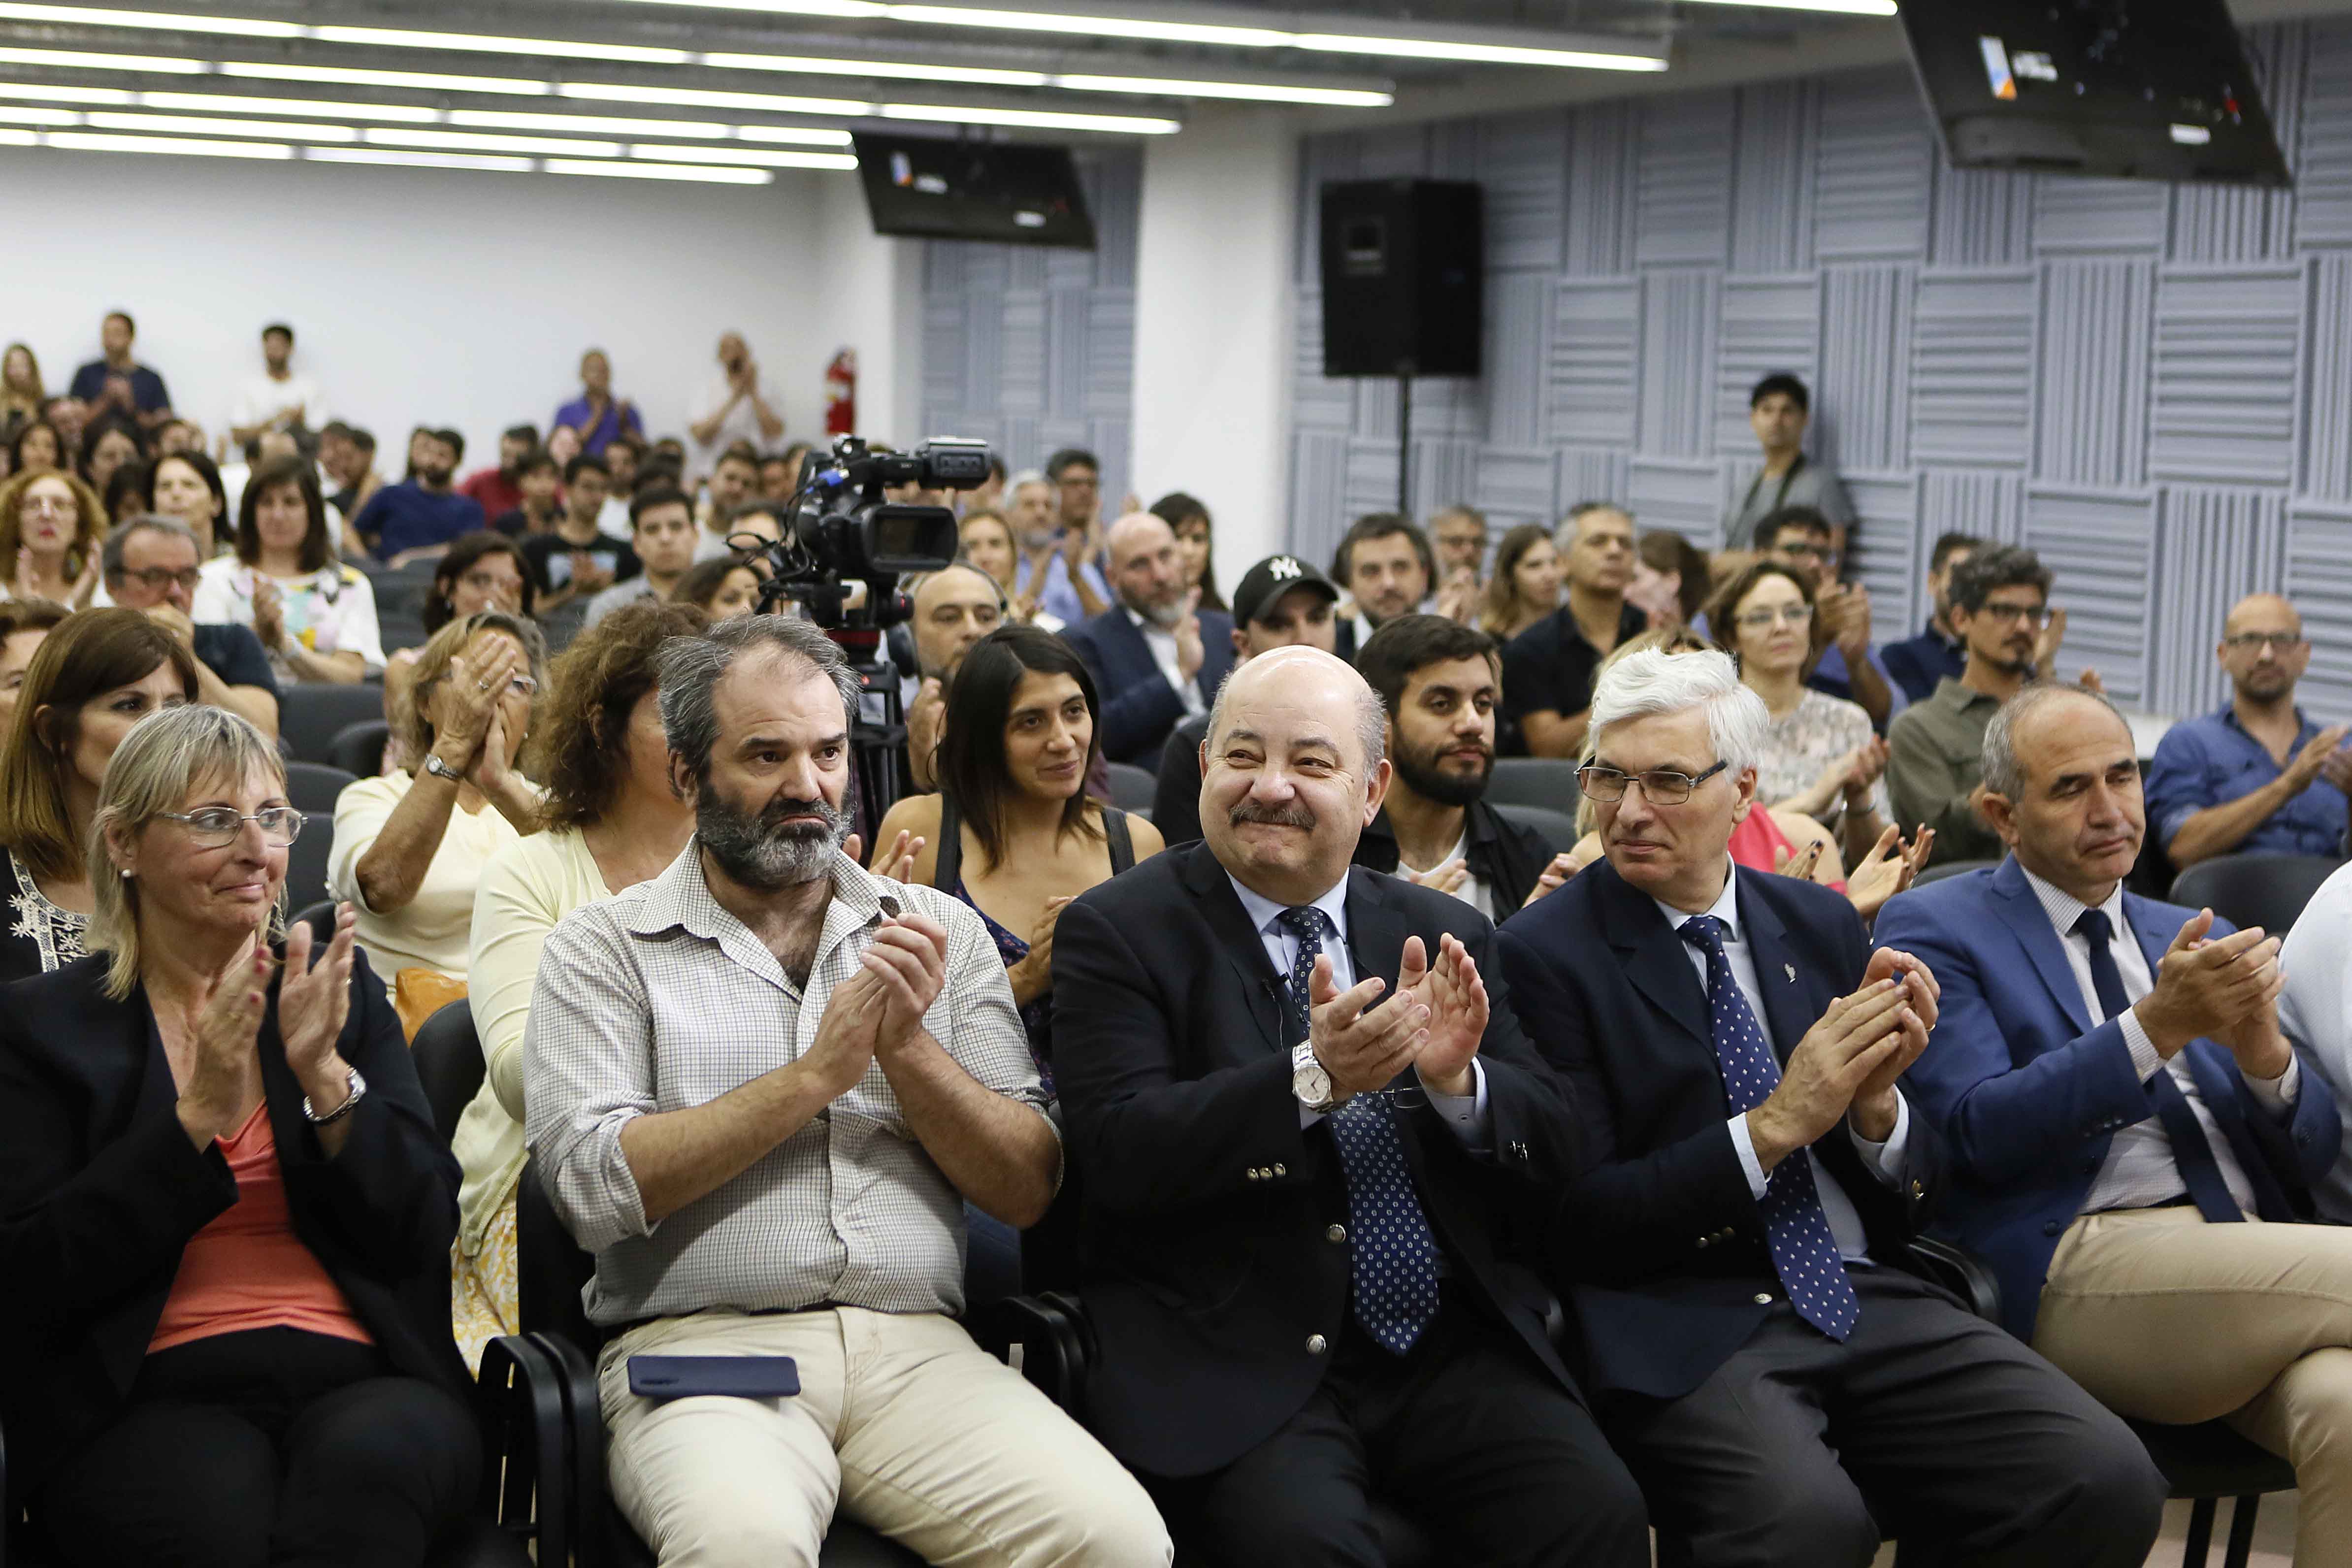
902,1422
2163,1317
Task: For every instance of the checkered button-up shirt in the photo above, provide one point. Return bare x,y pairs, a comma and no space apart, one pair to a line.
659,1000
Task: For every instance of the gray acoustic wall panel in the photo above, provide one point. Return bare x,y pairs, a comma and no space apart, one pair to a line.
1031,350
2151,385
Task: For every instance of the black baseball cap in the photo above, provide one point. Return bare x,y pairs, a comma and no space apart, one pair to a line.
1270,579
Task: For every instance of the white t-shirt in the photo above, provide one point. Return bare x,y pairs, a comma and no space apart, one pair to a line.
741,424
331,610
258,399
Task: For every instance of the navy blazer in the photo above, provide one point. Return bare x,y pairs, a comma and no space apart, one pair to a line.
101,1190
1659,1242
2029,1095
1138,707
1217,1265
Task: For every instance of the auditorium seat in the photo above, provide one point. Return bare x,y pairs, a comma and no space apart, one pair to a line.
311,713
1131,788
312,788
1547,781
1558,827
359,748
448,1058
2265,890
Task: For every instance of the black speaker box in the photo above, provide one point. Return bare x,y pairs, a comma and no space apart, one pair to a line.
1403,277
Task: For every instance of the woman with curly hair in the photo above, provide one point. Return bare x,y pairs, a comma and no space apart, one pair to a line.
52,527
611,820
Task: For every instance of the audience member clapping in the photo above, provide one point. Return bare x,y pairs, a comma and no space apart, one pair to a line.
150,565
314,616
25,624
226,1184
410,846
186,486
1155,657
481,571
721,588
986,543
1459,535
612,822
36,447
596,416
1525,587
97,674
1196,544
52,526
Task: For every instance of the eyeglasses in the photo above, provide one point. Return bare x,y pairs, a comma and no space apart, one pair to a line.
217,827
154,577
2252,642
1765,620
487,582
43,506
2031,614
1662,786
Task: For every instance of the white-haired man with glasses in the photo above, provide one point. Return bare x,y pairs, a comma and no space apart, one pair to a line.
1785,1388
2255,777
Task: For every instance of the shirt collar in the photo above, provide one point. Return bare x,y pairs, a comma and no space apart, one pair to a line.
1961,697
680,899
2303,727
1262,910
1726,907
2064,909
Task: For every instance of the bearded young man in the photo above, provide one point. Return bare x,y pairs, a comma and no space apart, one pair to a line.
762,1087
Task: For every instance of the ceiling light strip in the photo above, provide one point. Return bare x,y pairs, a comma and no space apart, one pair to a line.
90,142
658,171
758,157
1845,7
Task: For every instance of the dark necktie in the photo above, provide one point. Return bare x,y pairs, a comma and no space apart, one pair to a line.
2191,1153
1396,1256
1797,1230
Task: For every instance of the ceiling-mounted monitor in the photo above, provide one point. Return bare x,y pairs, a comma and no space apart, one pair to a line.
926,187
2152,89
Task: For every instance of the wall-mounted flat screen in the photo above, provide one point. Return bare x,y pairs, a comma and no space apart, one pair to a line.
924,187
2153,90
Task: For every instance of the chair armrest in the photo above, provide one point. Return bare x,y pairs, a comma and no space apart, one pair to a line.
586,1485
1960,1272
1048,1330
522,1389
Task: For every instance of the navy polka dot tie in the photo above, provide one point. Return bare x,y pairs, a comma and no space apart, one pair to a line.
1396,1256
1804,1249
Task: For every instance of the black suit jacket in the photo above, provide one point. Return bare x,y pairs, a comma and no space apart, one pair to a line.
101,1190
1138,707
1211,1255
1659,1240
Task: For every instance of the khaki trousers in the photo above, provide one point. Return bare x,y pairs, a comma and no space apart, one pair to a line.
2165,1318
901,1421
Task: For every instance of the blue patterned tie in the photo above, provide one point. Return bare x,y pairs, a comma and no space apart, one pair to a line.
1804,1249
1396,1256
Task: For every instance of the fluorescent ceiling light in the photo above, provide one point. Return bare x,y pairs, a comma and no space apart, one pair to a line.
415,159
17,138
478,141
159,21
523,120
608,93
403,39
755,156
659,172
88,142
1850,7
39,117
43,94
82,60
792,135
1346,98
1480,54
1109,27
423,81
203,125
879,70
945,114
205,102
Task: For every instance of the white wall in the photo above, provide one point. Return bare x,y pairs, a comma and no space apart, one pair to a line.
429,295
1212,329
867,294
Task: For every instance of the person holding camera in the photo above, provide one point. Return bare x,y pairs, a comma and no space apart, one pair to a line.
741,405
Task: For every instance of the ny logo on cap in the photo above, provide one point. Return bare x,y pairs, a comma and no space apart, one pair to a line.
1284,567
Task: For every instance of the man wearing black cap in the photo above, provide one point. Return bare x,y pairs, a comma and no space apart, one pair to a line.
1281,600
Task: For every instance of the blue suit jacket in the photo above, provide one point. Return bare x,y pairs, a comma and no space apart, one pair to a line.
1138,707
1659,1242
2028,1095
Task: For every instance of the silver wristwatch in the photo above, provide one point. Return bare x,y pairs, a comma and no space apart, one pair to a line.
1308,1082
441,770
355,1088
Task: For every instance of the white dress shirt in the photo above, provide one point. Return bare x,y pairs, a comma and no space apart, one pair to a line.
2139,1171
1884,1161
2316,1014
1162,644
1467,1114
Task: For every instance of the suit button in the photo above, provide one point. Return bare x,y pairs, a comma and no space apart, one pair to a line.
1317,1345
2053,1229
1256,1173
1335,1233
1704,1240
1280,1171
1763,1297
1918,1189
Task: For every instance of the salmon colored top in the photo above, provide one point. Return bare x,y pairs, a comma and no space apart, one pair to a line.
1755,838
246,1269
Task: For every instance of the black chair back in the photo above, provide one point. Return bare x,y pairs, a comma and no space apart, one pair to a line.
2265,890
359,748
1546,781
551,1269
448,1058
1558,827
311,713
320,917
305,861
313,787
1131,788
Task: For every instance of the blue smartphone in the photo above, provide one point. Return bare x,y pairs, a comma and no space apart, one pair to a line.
734,1376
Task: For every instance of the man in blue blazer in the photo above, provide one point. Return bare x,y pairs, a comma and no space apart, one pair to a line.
2119,1100
1156,659
1736,1253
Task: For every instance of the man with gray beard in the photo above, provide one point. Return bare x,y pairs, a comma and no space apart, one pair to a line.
1155,656
762,1088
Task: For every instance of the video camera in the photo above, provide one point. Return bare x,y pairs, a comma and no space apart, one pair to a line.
842,529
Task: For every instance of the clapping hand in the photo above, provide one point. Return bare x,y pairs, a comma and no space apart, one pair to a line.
1455,1000
1889,868
1875,1107
1555,877
1445,879
1190,652
909,958
1804,864
1361,1047
899,865
225,1078
268,614
314,1001
1034,975
1863,766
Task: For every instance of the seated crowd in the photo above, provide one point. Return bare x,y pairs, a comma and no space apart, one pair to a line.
1541,1178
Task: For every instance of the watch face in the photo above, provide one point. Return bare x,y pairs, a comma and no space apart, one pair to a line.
1310,1083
